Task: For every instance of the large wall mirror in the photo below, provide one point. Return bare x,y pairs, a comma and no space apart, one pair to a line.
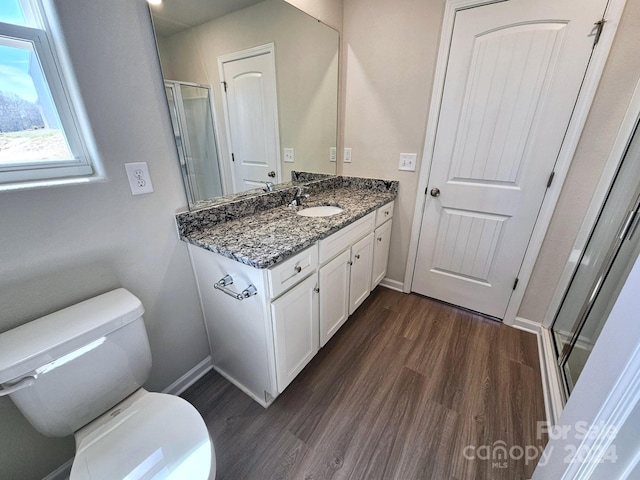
252,90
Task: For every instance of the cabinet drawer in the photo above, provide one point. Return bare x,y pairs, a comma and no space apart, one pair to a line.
286,274
342,239
384,213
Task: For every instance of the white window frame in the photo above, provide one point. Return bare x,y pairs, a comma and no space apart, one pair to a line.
49,46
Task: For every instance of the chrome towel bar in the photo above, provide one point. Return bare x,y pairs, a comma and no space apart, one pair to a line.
227,280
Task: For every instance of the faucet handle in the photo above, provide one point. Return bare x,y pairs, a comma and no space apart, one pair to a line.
269,187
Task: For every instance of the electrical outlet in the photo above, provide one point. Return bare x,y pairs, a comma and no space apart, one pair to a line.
288,155
333,154
139,179
408,162
347,155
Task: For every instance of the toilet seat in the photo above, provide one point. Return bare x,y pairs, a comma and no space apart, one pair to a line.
146,436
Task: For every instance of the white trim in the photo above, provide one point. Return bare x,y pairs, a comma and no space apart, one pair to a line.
392,284
615,157
189,378
596,65
62,472
551,386
244,389
526,325
266,49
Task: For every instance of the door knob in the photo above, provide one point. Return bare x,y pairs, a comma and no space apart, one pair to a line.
435,192
271,174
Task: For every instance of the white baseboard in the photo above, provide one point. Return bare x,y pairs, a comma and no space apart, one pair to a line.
189,378
526,325
551,386
392,284
61,473
248,392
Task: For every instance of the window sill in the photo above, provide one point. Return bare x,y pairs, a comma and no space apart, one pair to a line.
52,182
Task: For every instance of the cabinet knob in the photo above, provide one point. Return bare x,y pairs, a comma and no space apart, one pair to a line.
317,290
357,257
379,239
298,268
349,263
386,213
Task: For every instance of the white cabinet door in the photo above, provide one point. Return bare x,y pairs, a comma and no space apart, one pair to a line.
361,262
334,295
295,330
381,243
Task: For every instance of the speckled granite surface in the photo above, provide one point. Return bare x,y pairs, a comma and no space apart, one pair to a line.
262,230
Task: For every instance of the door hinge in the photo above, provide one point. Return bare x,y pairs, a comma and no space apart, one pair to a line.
550,181
515,283
597,30
224,84
233,157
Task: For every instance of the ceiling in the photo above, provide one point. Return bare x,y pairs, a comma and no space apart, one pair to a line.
173,16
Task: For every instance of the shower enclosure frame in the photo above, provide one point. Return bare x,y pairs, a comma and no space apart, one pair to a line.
182,127
554,395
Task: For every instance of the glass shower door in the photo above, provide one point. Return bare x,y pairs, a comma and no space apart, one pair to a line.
192,121
603,267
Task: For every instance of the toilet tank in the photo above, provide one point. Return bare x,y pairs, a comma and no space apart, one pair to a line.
84,360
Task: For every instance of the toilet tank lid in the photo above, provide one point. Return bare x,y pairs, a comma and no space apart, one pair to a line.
37,343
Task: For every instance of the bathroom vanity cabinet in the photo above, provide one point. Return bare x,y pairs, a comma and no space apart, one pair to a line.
261,342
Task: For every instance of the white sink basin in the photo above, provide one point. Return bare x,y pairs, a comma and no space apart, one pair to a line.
322,211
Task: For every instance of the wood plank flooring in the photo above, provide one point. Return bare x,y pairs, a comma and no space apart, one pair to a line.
407,389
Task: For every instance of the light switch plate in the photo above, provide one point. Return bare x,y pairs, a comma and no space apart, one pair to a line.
289,155
139,178
333,154
347,155
408,162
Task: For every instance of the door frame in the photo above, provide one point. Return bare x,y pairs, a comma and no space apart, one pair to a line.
266,49
613,13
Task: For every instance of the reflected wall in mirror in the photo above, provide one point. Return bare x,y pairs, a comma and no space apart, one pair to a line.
205,45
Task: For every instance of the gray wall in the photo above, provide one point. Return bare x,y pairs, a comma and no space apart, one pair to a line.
64,244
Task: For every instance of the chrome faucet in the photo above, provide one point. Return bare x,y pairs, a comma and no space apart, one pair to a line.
268,187
298,197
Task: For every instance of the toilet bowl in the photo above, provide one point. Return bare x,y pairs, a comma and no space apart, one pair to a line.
80,370
151,435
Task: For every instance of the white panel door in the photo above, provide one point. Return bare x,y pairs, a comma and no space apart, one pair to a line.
252,120
361,263
295,330
334,295
513,76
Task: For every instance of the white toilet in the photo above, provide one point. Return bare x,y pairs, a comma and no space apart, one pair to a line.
80,371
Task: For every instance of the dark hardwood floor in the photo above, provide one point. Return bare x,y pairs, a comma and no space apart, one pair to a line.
409,388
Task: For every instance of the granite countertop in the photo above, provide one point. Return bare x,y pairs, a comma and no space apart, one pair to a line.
265,238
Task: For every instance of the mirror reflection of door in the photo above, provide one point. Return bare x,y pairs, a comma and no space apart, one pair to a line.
251,112
192,121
